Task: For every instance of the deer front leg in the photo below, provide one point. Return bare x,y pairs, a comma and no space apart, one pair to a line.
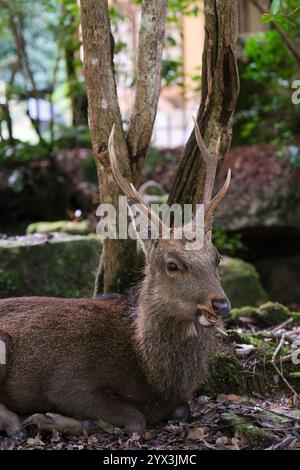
104,406
10,422
65,425
51,421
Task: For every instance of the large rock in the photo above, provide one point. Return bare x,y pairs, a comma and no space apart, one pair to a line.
65,265
280,277
241,283
61,265
83,227
264,191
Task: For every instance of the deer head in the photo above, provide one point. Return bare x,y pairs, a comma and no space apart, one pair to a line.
185,283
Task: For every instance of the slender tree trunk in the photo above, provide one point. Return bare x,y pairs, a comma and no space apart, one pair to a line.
17,28
77,95
117,270
220,87
6,117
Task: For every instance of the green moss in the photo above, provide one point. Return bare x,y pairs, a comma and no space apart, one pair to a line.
10,283
64,267
295,375
267,314
245,430
241,283
227,376
264,347
64,226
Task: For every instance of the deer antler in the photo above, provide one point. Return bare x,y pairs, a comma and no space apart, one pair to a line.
211,167
127,187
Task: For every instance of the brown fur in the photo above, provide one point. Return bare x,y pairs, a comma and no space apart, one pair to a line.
106,358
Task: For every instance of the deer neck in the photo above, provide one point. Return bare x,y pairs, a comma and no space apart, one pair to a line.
176,353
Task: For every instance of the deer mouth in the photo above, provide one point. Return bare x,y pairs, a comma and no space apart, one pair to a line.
206,318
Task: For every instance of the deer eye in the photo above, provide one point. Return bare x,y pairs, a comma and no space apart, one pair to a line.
172,266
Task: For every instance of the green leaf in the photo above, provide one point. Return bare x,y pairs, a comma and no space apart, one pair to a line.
266,18
275,7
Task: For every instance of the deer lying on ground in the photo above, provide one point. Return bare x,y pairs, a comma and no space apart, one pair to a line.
125,362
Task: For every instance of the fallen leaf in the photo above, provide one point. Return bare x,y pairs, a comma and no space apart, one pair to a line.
195,434
35,441
222,440
236,443
233,397
244,349
222,398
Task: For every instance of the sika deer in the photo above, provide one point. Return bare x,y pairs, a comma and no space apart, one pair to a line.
125,361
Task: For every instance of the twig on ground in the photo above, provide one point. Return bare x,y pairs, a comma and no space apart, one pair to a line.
273,335
282,325
280,373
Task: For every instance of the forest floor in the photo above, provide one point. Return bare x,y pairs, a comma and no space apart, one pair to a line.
226,422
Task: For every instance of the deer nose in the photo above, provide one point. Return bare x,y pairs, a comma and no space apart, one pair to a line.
221,306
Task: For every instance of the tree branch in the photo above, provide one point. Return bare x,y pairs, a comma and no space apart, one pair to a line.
149,64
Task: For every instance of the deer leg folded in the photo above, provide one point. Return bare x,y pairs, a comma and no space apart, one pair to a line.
104,405
118,411
9,422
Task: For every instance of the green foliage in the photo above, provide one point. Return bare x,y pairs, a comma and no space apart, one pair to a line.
20,152
227,244
171,71
268,59
70,137
275,7
285,13
89,171
265,112
178,7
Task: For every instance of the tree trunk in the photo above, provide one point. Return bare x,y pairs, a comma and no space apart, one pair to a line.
71,43
219,92
117,270
17,28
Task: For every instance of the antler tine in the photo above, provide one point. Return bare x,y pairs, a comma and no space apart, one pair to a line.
128,188
211,165
218,197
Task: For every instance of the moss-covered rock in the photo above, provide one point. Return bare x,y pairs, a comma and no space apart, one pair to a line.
245,430
65,226
241,283
267,314
62,266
